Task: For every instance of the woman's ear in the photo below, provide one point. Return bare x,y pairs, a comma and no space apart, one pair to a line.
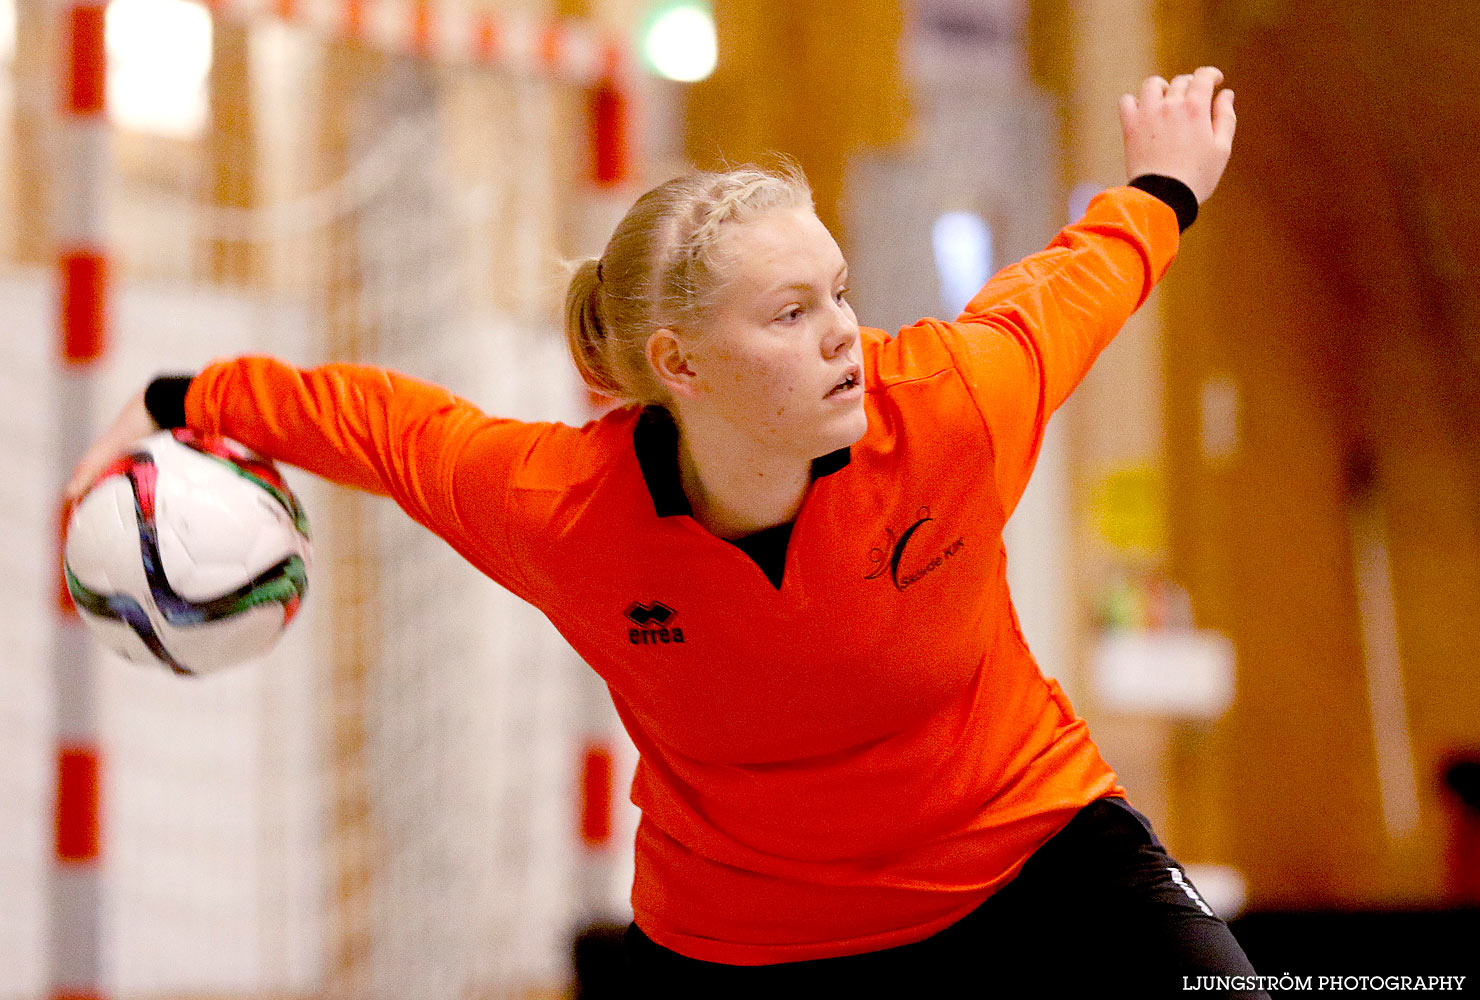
665,354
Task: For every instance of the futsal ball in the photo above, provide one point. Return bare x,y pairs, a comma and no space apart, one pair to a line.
189,552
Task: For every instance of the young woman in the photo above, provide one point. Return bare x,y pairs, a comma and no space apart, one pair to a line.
784,557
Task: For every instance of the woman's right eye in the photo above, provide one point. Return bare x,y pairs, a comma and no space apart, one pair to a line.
791,314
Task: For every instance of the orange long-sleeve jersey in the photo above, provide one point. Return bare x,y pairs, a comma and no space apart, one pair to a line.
848,761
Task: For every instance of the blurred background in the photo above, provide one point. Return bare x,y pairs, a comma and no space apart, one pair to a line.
1250,552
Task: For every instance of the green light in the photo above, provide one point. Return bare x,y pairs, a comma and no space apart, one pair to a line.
679,41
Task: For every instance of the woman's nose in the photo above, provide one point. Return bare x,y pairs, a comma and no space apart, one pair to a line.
843,333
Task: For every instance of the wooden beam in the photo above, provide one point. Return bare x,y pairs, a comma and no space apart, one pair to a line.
231,150
33,131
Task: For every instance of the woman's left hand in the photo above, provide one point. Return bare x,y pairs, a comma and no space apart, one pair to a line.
1178,130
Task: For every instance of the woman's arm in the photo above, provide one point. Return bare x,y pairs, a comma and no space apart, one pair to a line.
1028,338
438,456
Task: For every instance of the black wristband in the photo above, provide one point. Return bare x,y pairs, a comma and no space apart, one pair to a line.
165,400
1172,191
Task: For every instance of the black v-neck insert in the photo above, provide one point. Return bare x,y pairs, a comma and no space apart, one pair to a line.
768,549
655,441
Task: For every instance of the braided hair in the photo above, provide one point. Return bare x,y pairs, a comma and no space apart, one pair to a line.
663,267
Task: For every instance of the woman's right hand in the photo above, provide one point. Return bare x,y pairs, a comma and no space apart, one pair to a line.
1178,130
133,423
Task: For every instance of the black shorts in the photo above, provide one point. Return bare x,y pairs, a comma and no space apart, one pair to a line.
1100,909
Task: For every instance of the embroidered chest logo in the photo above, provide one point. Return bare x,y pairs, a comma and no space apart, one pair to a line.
890,555
652,621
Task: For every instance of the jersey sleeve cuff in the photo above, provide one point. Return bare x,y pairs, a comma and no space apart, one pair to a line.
1174,193
165,400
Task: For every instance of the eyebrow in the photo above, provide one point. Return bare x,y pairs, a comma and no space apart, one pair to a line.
803,285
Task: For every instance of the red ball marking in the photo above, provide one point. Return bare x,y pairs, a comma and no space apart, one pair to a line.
146,477
118,467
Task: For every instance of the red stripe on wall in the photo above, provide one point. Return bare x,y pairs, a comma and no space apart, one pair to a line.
485,38
421,27
84,291
354,18
596,796
612,61
552,42
610,155
87,70
78,828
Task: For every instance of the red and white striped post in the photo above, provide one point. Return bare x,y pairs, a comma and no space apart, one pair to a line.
557,49
75,941
609,141
610,145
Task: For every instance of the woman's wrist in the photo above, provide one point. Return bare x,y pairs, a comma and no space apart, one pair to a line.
165,400
1175,193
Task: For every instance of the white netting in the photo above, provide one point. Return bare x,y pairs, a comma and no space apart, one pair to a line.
234,859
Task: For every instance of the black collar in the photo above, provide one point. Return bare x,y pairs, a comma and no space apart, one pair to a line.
655,439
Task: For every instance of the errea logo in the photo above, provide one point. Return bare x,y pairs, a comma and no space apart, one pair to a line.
653,620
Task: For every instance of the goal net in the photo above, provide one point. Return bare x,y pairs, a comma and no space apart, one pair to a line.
390,804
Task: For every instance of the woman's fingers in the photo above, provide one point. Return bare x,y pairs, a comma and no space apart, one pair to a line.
1128,109
98,458
1177,89
1204,80
1224,119
1152,90
133,423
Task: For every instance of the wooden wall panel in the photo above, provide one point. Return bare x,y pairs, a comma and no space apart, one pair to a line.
815,87
1326,278
35,75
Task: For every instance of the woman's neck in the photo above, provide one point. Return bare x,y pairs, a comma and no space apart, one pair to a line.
736,489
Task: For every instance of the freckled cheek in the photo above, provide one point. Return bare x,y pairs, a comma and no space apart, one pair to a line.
770,389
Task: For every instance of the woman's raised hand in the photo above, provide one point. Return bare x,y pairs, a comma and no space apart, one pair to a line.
1177,129
132,423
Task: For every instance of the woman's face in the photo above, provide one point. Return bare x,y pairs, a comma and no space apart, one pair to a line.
779,337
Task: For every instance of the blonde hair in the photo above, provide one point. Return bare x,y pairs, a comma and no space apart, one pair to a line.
661,268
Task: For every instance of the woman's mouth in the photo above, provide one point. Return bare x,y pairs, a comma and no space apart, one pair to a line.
852,382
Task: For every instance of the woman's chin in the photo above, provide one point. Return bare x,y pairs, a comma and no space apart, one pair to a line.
852,426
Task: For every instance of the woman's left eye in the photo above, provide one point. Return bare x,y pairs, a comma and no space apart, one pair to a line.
840,293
